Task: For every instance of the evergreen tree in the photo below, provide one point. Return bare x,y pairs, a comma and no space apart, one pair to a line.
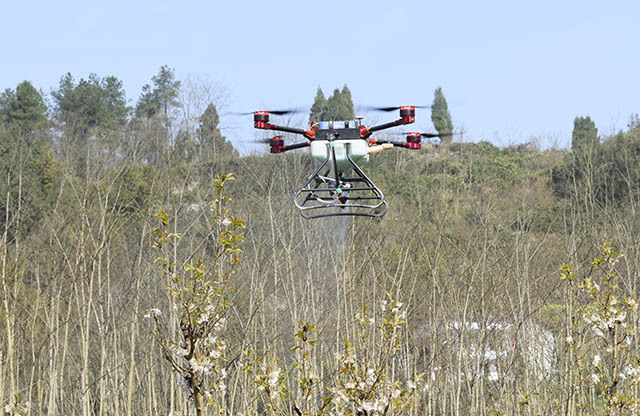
440,116
27,165
319,107
184,147
339,106
584,135
334,102
155,107
344,110
160,98
23,107
92,103
585,146
93,111
213,145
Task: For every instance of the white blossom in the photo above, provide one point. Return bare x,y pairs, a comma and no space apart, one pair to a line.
202,367
219,325
397,307
597,331
155,312
368,406
273,377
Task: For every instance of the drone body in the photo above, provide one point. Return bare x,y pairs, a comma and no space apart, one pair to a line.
339,187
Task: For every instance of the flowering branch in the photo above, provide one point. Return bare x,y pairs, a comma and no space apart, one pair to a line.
604,359
200,294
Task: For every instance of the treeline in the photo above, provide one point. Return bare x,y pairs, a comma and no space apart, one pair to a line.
472,246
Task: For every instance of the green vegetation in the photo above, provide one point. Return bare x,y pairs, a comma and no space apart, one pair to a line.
130,286
440,116
339,106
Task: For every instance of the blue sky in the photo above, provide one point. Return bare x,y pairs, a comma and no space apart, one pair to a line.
510,70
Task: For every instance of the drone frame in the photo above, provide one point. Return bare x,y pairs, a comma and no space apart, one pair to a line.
327,193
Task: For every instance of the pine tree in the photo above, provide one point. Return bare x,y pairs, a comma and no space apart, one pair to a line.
213,145
162,97
334,102
440,116
339,106
319,107
584,135
91,112
154,108
24,106
345,109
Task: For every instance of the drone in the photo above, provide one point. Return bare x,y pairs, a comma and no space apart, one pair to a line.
339,187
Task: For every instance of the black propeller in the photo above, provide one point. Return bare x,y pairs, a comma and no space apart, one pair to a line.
274,112
426,135
389,109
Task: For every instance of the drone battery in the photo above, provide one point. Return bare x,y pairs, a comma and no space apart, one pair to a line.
357,149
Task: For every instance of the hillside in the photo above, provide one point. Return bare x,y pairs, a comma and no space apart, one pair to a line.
472,246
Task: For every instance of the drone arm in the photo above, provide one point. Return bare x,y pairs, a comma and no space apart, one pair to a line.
296,146
268,126
398,144
399,122
277,145
406,145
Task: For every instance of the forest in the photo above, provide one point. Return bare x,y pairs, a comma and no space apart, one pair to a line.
150,268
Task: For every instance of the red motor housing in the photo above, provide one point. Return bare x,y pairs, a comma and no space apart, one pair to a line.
261,119
407,110
261,116
413,140
277,144
408,114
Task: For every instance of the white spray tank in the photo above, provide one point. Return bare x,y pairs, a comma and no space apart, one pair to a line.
357,149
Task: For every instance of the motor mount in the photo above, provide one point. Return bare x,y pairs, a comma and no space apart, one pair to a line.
277,144
408,114
413,140
261,120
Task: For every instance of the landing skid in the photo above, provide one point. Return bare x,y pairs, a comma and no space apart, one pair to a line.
330,194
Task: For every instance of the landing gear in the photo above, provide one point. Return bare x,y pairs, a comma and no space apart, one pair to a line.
328,193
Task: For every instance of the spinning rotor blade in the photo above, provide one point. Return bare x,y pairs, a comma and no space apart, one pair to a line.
426,135
274,112
430,135
389,109
260,141
285,112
